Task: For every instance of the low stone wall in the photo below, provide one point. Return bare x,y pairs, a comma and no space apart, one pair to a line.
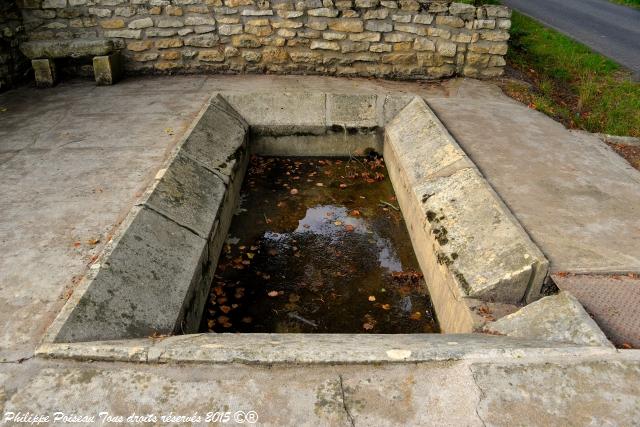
382,38
13,64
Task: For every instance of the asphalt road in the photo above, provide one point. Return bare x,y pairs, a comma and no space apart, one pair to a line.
608,28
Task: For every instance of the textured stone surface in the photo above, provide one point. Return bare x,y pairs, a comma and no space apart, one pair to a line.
189,194
67,48
107,69
140,289
44,71
558,318
473,237
315,38
218,139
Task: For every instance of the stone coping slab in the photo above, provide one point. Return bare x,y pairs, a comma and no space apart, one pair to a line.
151,275
557,317
73,48
315,348
154,277
471,236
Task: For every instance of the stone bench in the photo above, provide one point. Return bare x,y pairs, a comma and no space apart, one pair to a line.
107,62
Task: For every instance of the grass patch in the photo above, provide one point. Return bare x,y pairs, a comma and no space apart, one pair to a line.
571,83
630,3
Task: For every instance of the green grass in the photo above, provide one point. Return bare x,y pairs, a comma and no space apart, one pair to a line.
630,3
573,84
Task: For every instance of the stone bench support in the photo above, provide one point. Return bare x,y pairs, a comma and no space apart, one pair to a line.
107,61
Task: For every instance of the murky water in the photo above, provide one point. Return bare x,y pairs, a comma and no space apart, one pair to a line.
318,245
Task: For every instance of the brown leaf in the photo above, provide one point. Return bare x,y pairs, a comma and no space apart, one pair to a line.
367,326
386,306
273,294
225,309
293,191
416,316
372,298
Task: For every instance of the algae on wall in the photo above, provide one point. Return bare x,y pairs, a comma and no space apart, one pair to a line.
13,65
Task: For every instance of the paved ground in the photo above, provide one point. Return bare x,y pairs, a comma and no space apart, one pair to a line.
606,27
74,160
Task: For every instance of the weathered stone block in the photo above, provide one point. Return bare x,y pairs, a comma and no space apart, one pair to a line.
219,139
170,22
365,37
347,25
476,246
323,11
189,194
141,23
380,26
67,48
245,40
108,69
54,4
446,48
213,55
558,318
202,40
352,111
125,34
45,72
122,300
229,29
410,28
324,45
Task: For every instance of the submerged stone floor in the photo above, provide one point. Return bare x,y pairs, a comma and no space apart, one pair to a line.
76,158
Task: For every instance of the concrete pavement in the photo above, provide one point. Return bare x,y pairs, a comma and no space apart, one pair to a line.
606,27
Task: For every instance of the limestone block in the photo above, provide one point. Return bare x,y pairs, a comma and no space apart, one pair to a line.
325,45
352,111
219,138
45,72
380,26
229,29
366,36
323,11
189,194
108,69
156,263
67,48
411,28
558,318
475,241
347,25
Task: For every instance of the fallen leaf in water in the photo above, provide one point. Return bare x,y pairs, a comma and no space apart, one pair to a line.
254,248
273,294
225,309
367,326
343,185
386,306
372,298
211,323
355,212
250,255
319,184
273,252
293,191
416,316
223,319
338,223
247,319
349,227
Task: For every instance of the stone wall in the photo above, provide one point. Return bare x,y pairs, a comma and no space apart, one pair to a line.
383,38
13,64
